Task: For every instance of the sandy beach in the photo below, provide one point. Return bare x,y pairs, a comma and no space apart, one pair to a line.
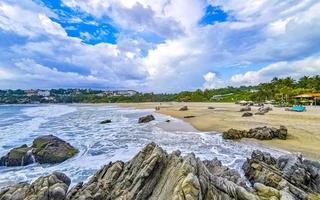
303,128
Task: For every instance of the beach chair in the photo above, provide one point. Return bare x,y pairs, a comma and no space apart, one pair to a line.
298,108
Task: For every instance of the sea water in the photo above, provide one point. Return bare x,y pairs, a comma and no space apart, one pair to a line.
99,144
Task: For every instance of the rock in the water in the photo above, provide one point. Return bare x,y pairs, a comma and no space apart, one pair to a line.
107,121
168,120
19,156
146,119
154,174
245,109
51,149
44,149
247,114
260,133
184,108
291,175
52,187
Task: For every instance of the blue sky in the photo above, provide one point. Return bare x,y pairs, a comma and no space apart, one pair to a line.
161,46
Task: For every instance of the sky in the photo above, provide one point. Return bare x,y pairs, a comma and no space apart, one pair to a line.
156,45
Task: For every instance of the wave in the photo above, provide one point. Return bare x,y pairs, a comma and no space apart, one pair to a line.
48,111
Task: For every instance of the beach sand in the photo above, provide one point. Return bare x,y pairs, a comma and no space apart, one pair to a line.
303,128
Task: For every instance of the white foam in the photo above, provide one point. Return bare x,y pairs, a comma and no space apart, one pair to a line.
48,111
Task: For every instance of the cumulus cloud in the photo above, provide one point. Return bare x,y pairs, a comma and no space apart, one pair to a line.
283,34
306,67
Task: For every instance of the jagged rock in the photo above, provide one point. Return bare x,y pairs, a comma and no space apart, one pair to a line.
247,114
107,121
154,174
260,133
290,175
184,108
245,109
52,187
45,149
146,119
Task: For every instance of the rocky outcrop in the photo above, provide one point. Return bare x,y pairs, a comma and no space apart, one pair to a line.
154,174
52,187
211,108
146,119
260,133
189,116
247,114
184,108
263,110
107,121
44,149
288,176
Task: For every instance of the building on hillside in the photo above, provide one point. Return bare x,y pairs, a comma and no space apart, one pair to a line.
43,93
30,93
309,98
126,93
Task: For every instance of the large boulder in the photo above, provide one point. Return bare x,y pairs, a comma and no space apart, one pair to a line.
107,121
51,149
44,149
19,156
184,108
260,133
291,175
247,114
146,119
52,187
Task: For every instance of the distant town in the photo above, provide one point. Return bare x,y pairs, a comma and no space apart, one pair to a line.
34,96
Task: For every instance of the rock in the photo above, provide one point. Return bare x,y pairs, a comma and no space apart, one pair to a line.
247,114
184,108
107,121
260,133
19,156
51,149
45,149
291,175
189,116
52,187
211,107
146,119
245,109
168,120
154,174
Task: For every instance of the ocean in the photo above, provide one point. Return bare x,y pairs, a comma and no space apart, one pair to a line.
99,144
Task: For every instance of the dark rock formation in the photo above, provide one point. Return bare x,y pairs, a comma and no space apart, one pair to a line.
107,121
290,175
245,109
189,116
260,133
247,114
52,187
45,149
263,110
211,107
153,174
156,175
51,149
168,120
146,119
184,108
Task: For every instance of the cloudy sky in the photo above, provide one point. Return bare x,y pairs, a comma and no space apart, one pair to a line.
156,45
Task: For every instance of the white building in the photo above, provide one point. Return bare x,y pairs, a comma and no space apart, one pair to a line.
44,93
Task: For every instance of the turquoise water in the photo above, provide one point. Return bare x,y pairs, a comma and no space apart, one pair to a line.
99,144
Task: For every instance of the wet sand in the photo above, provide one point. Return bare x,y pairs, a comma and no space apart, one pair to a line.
303,128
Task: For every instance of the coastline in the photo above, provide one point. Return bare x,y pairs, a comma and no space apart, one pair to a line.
304,135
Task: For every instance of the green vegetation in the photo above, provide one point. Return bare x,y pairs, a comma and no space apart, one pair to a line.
280,90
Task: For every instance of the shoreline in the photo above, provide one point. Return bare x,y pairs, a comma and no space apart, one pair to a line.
303,137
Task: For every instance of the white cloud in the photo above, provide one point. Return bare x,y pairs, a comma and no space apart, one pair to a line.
296,69
211,81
